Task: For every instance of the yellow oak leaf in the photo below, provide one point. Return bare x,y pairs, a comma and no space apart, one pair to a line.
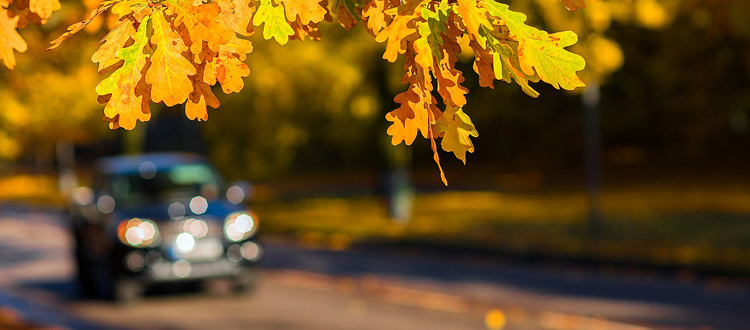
106,55
456,129
308,11
374,12
422,48
238,15
169,70
126,7
396,34
474,17
199,25
43,8
9,39
449,81
200,97
227,67
128,95
411,116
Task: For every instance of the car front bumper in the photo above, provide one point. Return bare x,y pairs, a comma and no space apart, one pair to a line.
159,265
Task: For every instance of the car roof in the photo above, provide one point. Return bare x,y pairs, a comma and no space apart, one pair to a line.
130,163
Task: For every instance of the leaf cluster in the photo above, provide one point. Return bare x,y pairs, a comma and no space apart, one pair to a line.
174,51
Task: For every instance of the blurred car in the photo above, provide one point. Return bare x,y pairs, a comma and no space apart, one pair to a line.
158,218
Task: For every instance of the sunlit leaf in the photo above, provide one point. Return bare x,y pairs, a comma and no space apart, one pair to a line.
274,22
9,39
169,70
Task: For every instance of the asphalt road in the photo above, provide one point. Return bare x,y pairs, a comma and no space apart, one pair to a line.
303,288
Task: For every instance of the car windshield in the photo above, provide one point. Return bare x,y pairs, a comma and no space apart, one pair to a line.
178,182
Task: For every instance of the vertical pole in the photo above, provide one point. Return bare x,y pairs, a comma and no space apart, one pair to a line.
66,163
592,134
400,186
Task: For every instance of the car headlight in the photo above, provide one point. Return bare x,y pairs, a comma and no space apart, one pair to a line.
239,226
138,232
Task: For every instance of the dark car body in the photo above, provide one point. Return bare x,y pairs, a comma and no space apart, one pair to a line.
157,218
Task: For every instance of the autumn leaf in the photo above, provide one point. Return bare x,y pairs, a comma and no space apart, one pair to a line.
412,116
123,8
129,101
456,129
199,98
175,51
227,67
308,11
9,39
397,32
473,17
274,23
449,81
540,51
106,55
505,66
237,15
374,13
169,70
431,30
43,8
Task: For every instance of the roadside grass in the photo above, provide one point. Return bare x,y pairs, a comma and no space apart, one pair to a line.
702,228
35,189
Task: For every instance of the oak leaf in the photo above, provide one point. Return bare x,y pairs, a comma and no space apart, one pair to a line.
374,13
106,55
200,97
274,22
308,11
238,15
540,51
399,30
169,70
9,39
128,94
473,17
456,128
43,8
227,67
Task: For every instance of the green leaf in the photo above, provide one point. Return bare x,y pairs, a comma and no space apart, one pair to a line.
540,51
275,24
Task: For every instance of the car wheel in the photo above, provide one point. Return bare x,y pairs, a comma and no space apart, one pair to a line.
244,282
84,277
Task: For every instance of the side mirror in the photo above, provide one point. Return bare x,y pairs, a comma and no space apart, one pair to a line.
239,191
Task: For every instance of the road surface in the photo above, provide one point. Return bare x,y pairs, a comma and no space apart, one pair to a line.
303,288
